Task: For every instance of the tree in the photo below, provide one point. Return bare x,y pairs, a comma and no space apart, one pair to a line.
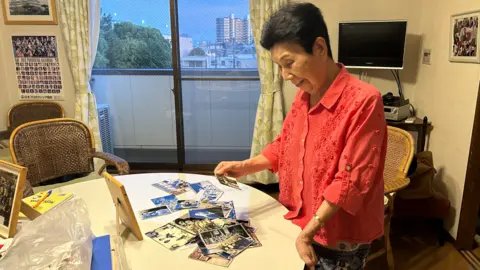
126,45
197,52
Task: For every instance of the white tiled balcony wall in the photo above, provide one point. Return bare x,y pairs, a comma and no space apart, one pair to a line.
217,114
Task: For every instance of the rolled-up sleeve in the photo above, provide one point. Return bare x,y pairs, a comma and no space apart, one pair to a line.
271,152
361,158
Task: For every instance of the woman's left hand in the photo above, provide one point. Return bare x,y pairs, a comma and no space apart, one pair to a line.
306,251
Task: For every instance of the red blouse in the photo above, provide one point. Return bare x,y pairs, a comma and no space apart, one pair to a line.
334,151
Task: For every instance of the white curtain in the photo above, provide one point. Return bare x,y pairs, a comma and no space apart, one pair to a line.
78,22
270,111
94,20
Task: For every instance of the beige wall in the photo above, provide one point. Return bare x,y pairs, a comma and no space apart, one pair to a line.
8,83
446,92
336,11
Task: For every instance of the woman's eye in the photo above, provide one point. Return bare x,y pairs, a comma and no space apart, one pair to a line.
289,64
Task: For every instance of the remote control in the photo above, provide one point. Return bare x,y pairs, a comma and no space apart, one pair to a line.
410,120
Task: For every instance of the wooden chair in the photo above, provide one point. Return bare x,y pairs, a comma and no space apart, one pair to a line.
55,148
25,112
400,150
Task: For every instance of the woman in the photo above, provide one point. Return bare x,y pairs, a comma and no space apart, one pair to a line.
330,153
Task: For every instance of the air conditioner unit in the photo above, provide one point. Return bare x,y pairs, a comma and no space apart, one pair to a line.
105,128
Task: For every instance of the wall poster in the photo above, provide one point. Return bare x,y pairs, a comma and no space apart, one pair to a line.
37,67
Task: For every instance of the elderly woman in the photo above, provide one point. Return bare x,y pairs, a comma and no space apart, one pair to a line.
330,153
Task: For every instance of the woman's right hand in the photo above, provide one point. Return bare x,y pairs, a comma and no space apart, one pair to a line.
234,169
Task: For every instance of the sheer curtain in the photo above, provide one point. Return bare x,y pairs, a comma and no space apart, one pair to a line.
80,22
269,118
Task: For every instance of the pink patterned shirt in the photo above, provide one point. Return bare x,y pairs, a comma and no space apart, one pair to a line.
334,151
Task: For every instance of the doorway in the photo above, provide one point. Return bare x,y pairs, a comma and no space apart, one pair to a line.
470,215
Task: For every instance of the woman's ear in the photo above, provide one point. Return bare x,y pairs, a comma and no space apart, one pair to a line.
320,47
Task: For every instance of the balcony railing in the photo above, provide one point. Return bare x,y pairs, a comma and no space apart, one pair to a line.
219,108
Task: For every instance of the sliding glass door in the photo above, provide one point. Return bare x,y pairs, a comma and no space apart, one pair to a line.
133,79
219,80
177,81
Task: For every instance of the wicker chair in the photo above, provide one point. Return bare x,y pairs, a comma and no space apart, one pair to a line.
25,112
400,150
54,148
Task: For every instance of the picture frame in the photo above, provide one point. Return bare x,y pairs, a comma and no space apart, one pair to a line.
12,181
464,34
34,12
125,216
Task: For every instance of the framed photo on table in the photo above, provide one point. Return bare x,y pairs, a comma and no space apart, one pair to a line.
29,11
464,37
12,179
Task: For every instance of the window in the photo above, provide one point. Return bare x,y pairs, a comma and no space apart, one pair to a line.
133,76
134,36
139,36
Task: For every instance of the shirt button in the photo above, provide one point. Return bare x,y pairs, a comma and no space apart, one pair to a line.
348,168
301,182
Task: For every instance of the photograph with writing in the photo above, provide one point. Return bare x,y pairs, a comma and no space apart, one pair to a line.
171,236
37,67
173,186
209,193
169,201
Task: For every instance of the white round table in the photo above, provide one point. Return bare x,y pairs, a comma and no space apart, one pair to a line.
276,234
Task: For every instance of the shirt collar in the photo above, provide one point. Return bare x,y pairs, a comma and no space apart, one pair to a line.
335,90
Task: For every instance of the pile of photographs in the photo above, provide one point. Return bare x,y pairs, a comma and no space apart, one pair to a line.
215,240
210,228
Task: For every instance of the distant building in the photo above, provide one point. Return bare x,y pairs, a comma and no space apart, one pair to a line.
186,44
231,29
246,61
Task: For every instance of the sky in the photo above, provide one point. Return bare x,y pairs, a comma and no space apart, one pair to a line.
197,18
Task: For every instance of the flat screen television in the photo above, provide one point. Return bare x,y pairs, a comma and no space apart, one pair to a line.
372,44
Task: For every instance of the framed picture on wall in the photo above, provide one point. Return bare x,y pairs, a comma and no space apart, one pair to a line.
29,11
463,37
12,179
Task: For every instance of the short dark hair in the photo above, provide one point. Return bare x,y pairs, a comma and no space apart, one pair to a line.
300,23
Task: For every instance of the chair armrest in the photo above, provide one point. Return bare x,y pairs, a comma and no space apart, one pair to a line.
120,164
5,134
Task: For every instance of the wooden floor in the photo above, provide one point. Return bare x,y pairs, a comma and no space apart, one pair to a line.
421,252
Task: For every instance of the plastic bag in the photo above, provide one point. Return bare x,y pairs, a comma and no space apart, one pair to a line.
58,239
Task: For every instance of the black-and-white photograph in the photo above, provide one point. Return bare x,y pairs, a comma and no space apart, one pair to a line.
12,179
171,236
37,67
464,45
34,46
8,184
195,225
29,11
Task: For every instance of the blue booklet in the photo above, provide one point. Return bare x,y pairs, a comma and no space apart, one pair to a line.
101,253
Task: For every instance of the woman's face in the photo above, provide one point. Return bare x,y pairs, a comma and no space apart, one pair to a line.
306,71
